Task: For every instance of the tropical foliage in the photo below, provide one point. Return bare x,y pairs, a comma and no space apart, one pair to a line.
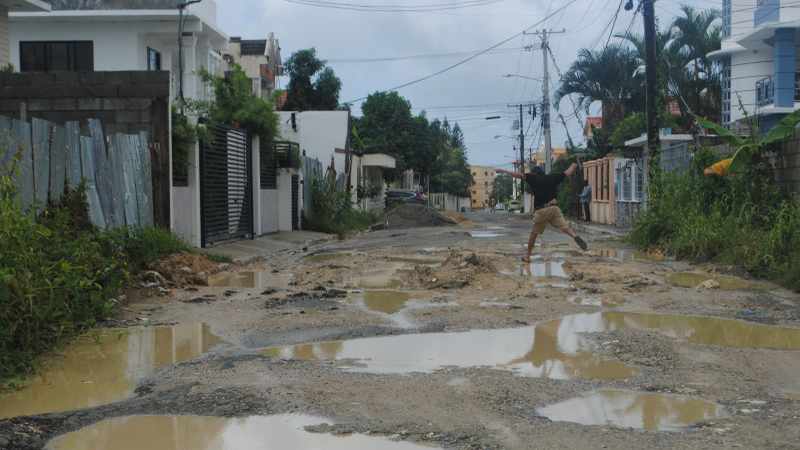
312,85
434,149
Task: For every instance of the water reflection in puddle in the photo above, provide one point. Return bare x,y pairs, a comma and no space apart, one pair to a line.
394,305
627,409
627,255
104,367
585,299
214,433
544,269
485,234
554,349
694,279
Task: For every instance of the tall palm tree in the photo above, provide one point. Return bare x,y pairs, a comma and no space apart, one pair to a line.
607,76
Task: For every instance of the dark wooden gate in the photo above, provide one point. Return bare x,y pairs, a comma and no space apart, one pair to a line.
226,186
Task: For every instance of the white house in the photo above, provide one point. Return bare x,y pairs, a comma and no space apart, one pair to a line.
109,37
759,57
325,135
15,6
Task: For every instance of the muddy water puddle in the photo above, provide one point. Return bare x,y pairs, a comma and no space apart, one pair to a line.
394,305
246,280
558,349
695,279
628,409
585,299
214,433
486,234
555,349
105,366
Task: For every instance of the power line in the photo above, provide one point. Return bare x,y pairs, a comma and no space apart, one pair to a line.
470,58
419,56
430,7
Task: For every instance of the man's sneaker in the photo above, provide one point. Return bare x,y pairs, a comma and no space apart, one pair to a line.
581,243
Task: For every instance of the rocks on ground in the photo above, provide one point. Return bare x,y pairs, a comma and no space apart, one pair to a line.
181,269
457,271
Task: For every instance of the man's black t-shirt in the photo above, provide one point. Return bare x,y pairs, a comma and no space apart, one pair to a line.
544,187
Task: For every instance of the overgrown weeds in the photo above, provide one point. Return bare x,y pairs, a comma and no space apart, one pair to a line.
333,212
741,220
59,274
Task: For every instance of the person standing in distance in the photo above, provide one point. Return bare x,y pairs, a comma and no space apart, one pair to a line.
546,211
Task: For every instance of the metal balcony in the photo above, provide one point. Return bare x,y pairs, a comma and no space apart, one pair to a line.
765,92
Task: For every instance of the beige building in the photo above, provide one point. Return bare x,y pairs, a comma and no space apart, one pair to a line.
482,185
261,61
7,6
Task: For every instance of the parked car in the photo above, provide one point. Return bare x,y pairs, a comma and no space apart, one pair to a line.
514,206
394,197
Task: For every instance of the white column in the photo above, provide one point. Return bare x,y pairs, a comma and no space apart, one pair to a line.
190,67
256,168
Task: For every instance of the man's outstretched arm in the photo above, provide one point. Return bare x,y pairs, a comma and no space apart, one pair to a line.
513,174
571,170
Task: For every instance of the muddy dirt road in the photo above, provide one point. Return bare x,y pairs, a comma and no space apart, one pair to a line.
434,338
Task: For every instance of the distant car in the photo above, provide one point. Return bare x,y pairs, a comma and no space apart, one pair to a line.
396,197
514,206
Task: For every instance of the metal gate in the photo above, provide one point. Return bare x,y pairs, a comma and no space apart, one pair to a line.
295,202
226,186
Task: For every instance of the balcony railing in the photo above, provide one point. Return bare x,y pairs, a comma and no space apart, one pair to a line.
287,155
765,92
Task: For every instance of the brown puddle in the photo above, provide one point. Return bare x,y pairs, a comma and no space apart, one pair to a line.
105,366
245,280
387,302
215,433
555,349
694,279
628,409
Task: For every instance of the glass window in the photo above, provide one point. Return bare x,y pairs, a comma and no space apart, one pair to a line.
153,59
51,56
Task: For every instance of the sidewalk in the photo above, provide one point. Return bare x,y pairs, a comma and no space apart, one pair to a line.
601,229
246,250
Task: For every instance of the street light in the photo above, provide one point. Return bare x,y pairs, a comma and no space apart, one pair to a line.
181,8
494,117
516,75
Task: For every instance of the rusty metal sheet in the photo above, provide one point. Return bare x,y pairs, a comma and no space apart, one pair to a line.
21,135
102,171
88,174
147,179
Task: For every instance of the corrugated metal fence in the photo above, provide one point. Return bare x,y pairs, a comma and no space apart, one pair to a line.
116,168
312,169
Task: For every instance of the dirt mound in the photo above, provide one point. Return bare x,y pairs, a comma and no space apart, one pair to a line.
457,271
182,269
412,216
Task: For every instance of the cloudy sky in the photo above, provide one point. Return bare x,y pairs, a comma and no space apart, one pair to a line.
466,94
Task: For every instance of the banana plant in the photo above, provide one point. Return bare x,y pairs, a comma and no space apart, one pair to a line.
749,146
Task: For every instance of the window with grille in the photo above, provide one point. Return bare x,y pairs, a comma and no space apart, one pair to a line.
51,56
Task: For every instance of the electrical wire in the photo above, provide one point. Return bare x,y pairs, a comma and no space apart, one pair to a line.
383,8
420,56
470,58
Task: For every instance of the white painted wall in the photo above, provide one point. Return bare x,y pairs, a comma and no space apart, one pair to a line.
186,204
319,134
270,211
284,195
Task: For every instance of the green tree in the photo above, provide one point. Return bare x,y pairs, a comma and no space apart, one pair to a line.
606,76
305,92
503,188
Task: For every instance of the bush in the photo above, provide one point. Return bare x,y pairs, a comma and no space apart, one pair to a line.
333,212
58,273
741,220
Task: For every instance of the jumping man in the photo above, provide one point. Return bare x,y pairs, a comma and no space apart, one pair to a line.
546,211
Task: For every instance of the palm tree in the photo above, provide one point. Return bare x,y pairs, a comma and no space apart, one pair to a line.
607,76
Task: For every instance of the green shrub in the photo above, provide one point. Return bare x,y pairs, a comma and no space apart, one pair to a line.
333,212
741,219
59,274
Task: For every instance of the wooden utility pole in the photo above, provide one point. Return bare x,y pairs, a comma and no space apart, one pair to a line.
651,91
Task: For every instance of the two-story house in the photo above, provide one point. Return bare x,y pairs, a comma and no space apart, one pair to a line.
261,61
115,35
14,6
759,60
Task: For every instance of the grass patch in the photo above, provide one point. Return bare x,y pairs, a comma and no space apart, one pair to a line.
59,274
741,220
333,211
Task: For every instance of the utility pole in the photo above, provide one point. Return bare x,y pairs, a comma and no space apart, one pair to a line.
652,114
548,143
522,107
